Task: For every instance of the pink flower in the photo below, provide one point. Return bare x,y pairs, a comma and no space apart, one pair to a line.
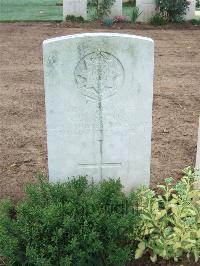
117,19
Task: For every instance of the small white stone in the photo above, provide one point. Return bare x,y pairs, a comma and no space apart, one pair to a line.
99,92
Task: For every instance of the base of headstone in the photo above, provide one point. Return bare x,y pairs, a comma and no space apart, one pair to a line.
148,9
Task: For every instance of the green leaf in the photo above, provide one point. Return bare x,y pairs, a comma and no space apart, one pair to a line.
153,258
140,250
196,257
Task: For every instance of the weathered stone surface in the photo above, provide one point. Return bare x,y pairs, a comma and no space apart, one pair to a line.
147,7
116,9
191,12
75,7
98,91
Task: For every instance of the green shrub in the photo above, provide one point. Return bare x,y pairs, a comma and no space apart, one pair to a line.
73,18
170,221
135,14
195,21
107,22
157,20
172,10
74,223
79,223
198,3
101,8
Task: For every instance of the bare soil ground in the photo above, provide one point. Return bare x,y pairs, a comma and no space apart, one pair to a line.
23,150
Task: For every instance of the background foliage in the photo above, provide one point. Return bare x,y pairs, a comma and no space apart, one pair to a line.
172,10
102,7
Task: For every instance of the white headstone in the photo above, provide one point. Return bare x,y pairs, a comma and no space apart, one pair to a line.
148,9
75,7
198,157
191,12
98,91
116,9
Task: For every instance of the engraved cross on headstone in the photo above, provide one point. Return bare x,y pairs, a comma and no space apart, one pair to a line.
100,166
98,76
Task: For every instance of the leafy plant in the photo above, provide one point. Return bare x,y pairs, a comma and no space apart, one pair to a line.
170,225
107,22
198,4
172,10
135,14
73,18
102,7
195,21
157,20
74,223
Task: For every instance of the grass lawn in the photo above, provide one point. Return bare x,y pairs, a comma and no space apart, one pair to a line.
127,11
197,13
17,10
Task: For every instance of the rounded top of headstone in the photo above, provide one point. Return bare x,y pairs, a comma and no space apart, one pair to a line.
101,34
